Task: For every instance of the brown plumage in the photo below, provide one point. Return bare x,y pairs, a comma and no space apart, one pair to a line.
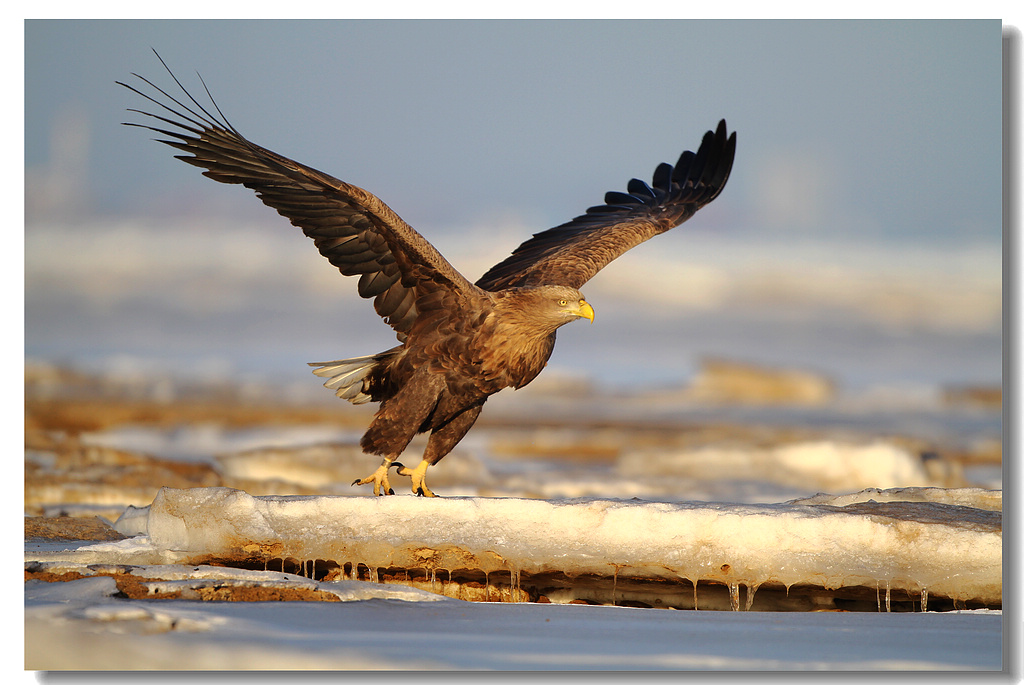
460,342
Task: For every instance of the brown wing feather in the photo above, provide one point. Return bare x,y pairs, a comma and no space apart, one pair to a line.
351,227
571,254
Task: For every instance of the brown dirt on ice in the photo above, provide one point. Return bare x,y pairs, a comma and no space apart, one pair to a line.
136,587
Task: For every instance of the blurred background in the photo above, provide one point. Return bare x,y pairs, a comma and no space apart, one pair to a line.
851,271
860,233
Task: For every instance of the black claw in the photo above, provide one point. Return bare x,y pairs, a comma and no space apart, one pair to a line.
390,491
356,481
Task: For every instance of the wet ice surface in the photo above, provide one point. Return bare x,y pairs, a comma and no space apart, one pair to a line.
99,631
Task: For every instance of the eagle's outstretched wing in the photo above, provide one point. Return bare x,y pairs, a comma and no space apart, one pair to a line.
571,254
354,229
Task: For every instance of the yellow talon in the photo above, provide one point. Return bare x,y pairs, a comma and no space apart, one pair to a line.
379,478
418,475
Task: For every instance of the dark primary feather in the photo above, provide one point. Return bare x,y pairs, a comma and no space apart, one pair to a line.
571,254
351,227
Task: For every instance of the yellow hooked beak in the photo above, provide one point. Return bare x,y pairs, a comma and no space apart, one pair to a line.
585,311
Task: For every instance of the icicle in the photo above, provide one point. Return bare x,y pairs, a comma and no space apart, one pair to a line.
888,608
878,598
373,574
487,586
615,580
924,599
433,579
734,596
695,594
751,589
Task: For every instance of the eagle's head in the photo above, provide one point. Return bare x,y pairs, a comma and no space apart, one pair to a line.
547,307
567,304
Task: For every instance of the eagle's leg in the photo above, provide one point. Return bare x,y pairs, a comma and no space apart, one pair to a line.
395,424
379,478
419,476
442,440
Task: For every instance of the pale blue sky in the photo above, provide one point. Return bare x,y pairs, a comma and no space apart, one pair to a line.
884,129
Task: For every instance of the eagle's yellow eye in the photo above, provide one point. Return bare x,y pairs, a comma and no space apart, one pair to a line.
562,303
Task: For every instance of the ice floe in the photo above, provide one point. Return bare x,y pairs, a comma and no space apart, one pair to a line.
923,543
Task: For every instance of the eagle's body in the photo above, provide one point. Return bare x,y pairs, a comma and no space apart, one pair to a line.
460,342
450,363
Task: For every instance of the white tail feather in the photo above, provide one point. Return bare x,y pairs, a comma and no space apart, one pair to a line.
348,377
